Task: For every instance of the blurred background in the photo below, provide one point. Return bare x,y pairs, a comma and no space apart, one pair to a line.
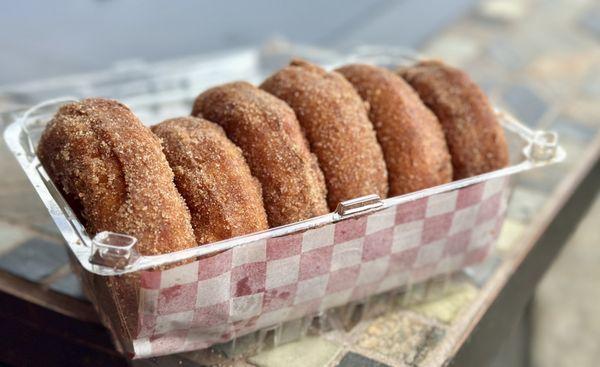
540,59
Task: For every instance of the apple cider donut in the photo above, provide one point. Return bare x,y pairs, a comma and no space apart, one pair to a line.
267,131
337,127
212,176
475,138
112,171
410,135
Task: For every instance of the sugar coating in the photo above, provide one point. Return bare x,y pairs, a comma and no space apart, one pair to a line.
410,135
337,127
474,136
113,173
212,176
267,131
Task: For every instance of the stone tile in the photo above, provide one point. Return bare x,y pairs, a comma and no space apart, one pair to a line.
584,110
560,73
458,295
491,77
11,235
414,294
453,49
511,232
502,10
480,273
399,336
544,179
569,129
352,359
34,259
203,357
68,285
525,203
244,345
525,103
574,137
504,52
307,352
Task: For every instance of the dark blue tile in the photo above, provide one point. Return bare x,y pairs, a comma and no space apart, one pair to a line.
524,103
34,259
68,285
352,359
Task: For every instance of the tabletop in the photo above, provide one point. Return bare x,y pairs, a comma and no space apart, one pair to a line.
538,59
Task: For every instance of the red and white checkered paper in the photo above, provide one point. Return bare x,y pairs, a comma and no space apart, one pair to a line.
263,283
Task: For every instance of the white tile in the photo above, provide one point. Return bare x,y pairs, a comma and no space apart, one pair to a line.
372,271
250,253
182,274
282,272
441,203
174,321
347,254
464,219
142,347
311,289
214,290
483,234
407,235
242,308
492,187
318,237
148,300
430,253
381,220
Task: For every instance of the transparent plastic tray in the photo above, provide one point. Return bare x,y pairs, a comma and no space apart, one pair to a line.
167,90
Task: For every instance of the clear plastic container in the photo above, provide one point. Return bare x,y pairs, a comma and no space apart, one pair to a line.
271,286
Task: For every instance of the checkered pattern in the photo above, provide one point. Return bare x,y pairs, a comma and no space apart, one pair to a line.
264,283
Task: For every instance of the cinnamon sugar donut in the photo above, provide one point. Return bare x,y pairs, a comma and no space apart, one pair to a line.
337,127
410,135
267,131
474,136
212,176
112,170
